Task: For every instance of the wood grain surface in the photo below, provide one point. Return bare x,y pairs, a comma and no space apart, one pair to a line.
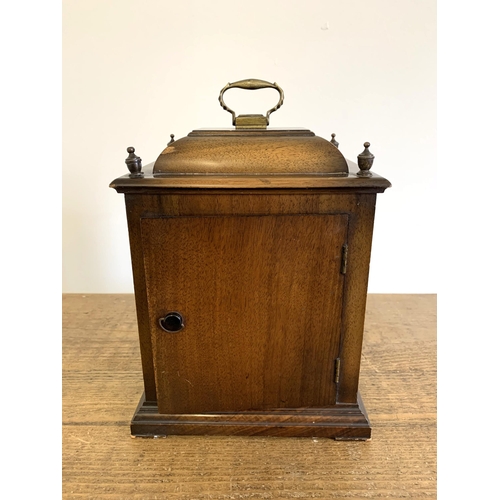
235,279
360,209
102,382
252,152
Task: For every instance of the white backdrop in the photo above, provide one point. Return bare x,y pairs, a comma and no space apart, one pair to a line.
135,71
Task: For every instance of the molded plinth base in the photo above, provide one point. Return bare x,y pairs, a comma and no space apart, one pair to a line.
341,422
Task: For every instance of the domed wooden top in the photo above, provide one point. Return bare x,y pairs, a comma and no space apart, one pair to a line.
251,152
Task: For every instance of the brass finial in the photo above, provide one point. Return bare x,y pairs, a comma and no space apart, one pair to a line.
334,142
171,139
134,163
365,162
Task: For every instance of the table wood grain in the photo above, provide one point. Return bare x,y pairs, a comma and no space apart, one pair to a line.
102,382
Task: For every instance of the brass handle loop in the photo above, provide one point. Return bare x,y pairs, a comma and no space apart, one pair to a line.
251,121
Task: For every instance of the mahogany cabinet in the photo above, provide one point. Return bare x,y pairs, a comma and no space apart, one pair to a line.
250,252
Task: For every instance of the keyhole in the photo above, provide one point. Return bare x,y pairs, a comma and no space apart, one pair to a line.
172,322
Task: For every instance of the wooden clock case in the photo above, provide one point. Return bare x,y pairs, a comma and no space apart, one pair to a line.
250,252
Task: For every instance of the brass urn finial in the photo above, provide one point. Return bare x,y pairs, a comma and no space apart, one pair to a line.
134,163
365,162
334,142
171,139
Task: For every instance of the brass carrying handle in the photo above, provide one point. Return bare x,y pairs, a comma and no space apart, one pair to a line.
251,121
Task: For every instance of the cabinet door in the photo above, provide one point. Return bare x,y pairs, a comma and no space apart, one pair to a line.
261,301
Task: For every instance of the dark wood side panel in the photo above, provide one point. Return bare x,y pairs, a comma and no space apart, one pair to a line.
262,302
141,300
358,266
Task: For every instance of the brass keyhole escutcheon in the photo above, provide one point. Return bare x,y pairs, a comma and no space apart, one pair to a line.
172,322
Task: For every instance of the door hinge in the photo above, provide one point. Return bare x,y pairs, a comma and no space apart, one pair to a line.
343,265
337,370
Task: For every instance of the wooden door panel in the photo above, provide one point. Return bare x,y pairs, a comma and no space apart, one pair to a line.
261,298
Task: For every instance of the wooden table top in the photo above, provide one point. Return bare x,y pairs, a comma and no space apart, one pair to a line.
102,383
